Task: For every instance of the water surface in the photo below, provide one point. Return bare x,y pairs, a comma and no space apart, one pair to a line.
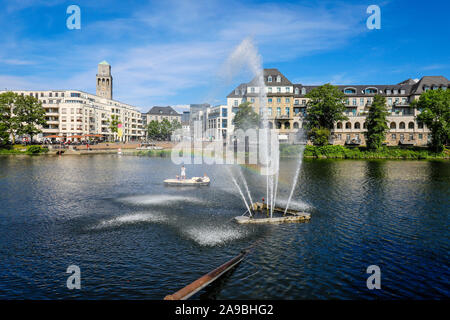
135,238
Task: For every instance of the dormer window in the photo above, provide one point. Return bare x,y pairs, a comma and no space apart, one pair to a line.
402,91
287,89
296,90
278,78
236,92
303,91
426,88
395,91
350,91
388,91
252,89
269,79
371,90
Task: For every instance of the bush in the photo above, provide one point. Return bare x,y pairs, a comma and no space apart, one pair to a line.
319,136
34,149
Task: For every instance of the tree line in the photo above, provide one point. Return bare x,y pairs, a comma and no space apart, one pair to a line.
19,115
326,106
162,130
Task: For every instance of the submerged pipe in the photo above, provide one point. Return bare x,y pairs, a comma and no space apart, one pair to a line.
208,278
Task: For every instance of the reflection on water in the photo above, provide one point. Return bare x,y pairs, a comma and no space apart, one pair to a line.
133,237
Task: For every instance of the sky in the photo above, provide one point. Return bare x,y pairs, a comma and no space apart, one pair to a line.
173,52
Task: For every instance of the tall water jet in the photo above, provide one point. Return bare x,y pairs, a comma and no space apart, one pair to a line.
246,186
246,56
240,191
297,171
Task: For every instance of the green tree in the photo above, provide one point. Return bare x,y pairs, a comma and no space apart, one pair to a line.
114,124
165,129
4,135
319,136
154,130
376,123
8,120
30,115
435,113
246,117
175,125
325,107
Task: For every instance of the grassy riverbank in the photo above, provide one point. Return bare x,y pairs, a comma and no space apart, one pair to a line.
154,153
341,152
20,149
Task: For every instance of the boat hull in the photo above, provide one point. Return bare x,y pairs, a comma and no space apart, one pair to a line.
187,182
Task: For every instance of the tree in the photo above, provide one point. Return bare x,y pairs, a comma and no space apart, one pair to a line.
377,123
30,115
8,120
154,130
4,135
246,117
165,129
435,113
325,107
175,125
319,136
114,124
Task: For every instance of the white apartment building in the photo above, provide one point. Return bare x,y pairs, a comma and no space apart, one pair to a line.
77,115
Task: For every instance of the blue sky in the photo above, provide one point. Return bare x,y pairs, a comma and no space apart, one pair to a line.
173,52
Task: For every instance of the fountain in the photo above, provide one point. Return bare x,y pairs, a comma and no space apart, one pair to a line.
246,56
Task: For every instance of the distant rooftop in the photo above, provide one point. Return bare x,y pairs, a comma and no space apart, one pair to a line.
166,111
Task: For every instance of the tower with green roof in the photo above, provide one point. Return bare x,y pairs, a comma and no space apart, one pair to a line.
104,80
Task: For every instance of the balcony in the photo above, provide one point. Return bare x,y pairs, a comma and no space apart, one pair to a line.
283,117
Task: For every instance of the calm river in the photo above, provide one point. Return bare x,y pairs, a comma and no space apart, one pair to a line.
135,238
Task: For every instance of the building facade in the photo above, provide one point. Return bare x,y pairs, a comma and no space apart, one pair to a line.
287,108
75,113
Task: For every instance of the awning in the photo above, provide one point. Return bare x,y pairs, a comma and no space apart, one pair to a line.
75,137
53,136
93,135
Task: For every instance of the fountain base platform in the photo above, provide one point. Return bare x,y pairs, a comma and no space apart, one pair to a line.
261,214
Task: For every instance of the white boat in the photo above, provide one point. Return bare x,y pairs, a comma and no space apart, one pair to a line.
194,181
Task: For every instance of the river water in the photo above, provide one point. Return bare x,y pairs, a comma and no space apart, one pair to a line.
135,238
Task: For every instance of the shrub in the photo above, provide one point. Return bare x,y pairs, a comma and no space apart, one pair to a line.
34,149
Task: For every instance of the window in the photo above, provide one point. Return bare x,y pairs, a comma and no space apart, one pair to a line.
279,89
411,125
236,103
72,94
420,136
339,125
288,89
270,112
388,91
278,78
303,91
279,100
357,125
349,91
224,112
395,91
252,100
402,125
304,102
270,100
270,89
252,89
288,100
393,125
287,110
348,125
402,91
295,125
269,79
354,101
394,136
361,101
296,101
278,111
420,125
390,101
371,90
296,90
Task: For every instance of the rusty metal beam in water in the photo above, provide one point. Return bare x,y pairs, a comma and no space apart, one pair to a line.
202,282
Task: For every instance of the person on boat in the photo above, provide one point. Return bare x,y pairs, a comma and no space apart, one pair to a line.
183,173
205,177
